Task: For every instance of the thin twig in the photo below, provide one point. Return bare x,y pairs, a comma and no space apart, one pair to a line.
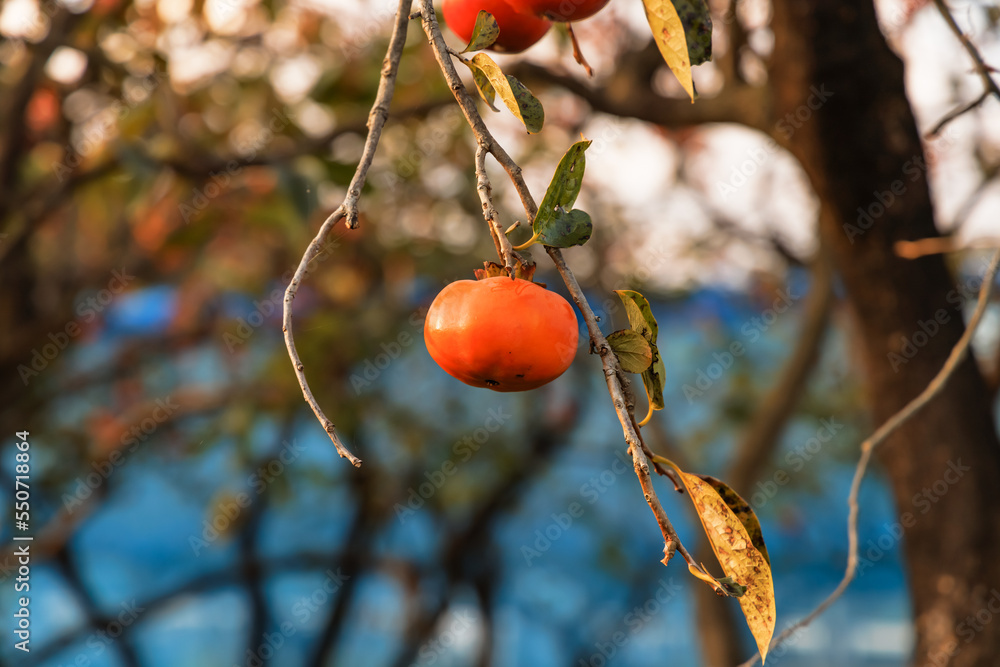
981,67
990,86
504,249
955,113
468,106
578,52
937,245
613,373
881,435
379,112
349,209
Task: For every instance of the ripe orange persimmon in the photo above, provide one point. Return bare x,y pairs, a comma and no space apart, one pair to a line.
501,334
560,10
518,30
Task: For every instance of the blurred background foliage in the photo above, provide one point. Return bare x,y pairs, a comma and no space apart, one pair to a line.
165,165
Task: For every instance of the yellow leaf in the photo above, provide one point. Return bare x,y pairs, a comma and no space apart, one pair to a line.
743,512
738,557
512,92
668,32
743,564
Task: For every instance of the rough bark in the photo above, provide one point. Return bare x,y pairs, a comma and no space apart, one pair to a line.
944,467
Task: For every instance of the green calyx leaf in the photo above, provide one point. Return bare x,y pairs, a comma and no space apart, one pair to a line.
512,92
640,318
634,353
484,33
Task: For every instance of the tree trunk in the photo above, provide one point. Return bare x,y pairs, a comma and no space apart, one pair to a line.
840,91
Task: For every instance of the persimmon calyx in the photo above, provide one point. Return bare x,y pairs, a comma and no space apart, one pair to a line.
522,270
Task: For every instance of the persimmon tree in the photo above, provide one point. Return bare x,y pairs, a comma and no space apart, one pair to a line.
684,40
171,190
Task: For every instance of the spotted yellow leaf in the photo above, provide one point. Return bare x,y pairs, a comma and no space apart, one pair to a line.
668,32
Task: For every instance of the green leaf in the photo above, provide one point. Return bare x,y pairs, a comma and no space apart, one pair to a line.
565,229
668,33
745,566
743,512
566,183
733,587
557,224
483,85
697,22
634,353
640,318
484,33
514,94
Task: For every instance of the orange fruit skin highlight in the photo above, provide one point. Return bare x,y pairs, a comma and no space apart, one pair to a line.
501,334
518,30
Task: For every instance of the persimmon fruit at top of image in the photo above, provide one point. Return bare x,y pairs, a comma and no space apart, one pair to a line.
559,10
501,334
517,31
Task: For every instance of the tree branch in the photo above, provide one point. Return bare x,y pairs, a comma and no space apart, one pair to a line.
349,209
989,85
504,249
881,435
743,103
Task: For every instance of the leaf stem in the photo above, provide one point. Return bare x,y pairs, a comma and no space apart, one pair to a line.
533,240
649,415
